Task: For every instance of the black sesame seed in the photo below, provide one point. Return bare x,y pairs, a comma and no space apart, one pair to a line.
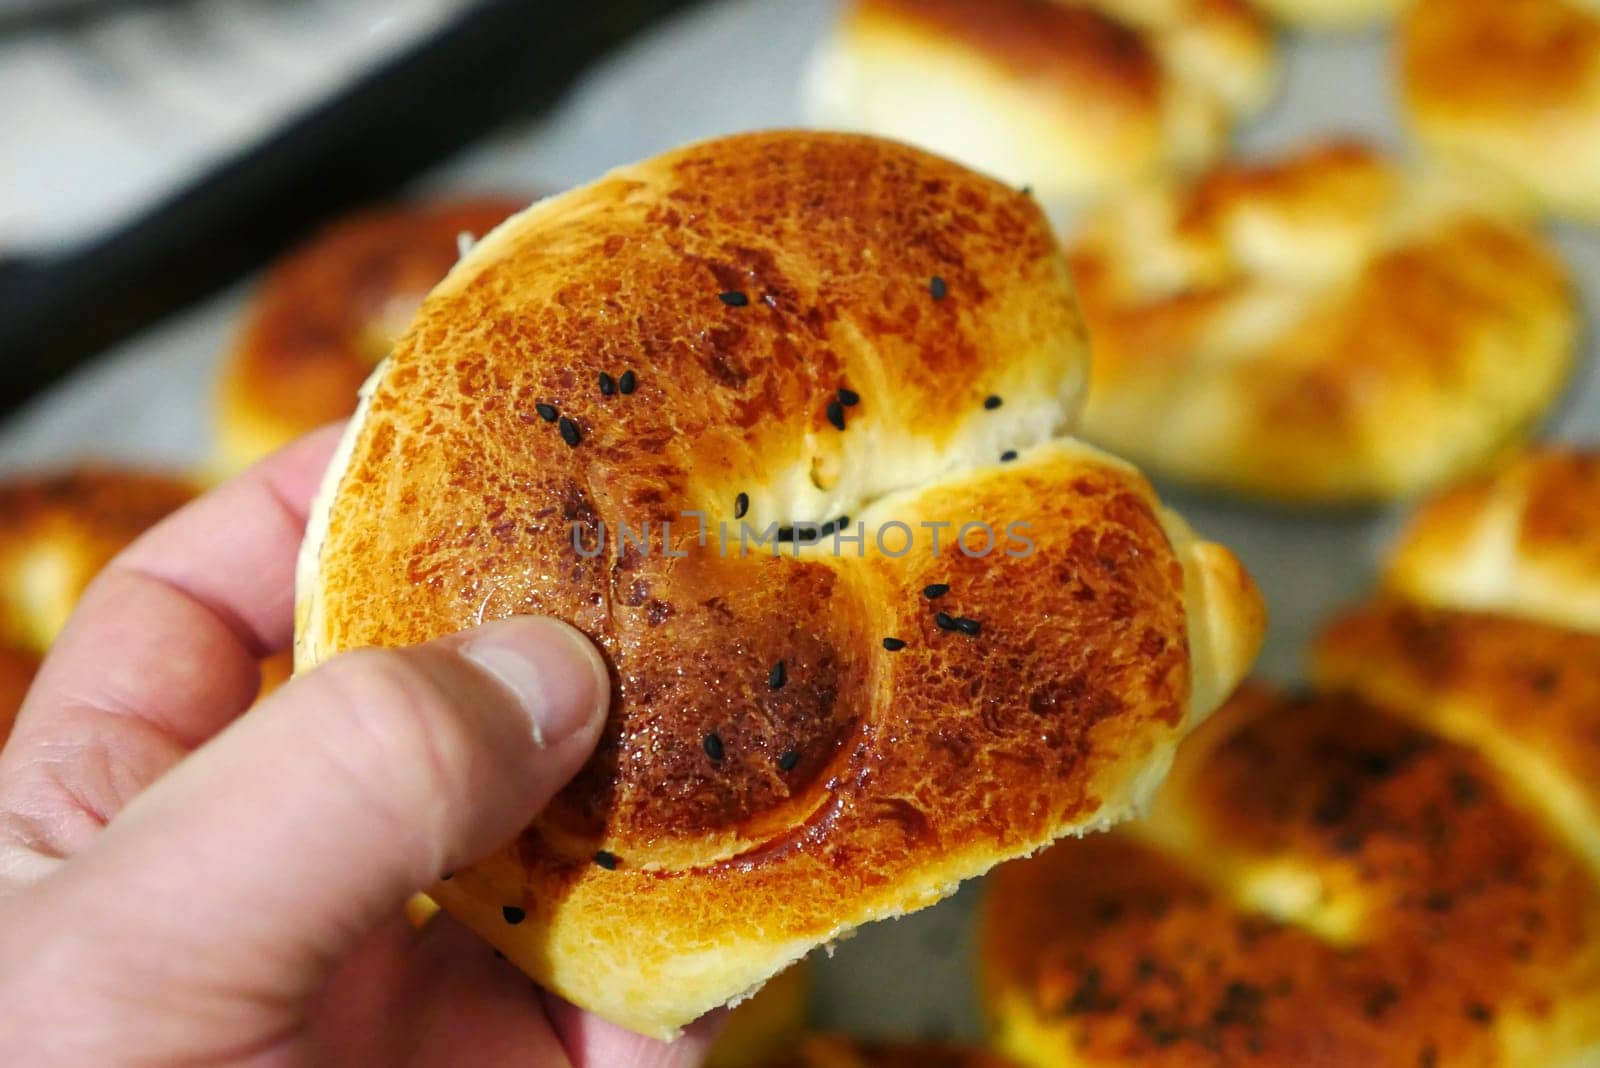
499,955
937,287
1007,456
788,759
992,402
734,299
1027,190
607,385
777,676
849,398
836,414
894,645
447,876
547,412
627,383
606,860
741,505
935,590
713,744
945,621
970,627
569,431
513,914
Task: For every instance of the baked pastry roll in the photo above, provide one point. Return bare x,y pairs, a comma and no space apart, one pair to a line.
741,338
1324,328
1073,98
1510,91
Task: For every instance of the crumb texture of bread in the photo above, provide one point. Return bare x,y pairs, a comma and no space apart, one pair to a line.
1070,97
811,326
1321,328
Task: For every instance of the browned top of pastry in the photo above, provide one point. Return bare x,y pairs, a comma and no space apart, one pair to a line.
1321,883
808,326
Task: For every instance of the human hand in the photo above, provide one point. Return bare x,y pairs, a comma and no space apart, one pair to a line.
185,882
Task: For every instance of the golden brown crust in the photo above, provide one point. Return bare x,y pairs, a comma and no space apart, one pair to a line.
840,1051
869,781
1511,88
329,311
1320,883
1524,540
57,532
1075,45
1322,328
1070,97
1525,694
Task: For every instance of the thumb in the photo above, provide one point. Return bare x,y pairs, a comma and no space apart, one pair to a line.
309,821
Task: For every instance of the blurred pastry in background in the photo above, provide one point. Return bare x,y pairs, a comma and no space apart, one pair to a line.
840,1051
1510,90
1324,328
767,1025
1070,97
56,532
1489,630
329,311
1321,881
1331,14
1523,541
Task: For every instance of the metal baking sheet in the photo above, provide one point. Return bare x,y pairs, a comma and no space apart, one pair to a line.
736,65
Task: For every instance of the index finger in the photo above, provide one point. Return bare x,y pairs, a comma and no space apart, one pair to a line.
160,654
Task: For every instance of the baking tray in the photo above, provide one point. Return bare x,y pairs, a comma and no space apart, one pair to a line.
736,65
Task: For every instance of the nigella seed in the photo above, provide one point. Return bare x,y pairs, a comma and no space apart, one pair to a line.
935,590
849,398
937,287
713,744
966,626
606,860
1007,456
894,645
741,505
627,383
945,621
733,298
777,676
788,759
607,385
569,431
991,402
836,414
547,412
513,914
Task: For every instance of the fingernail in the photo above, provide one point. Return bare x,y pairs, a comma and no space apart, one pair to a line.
555,672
